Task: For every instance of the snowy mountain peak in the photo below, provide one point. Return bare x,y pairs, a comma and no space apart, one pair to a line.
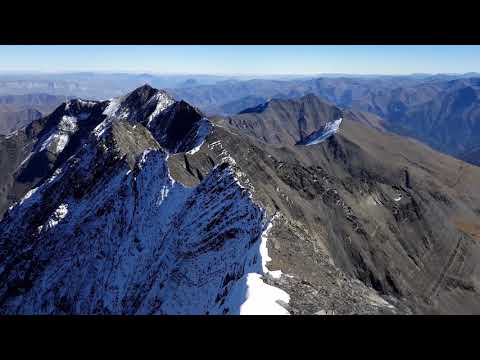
128,239
125,236
176,125
76,106
180,127
140,105
173,123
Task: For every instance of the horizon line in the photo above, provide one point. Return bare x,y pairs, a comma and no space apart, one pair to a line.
154,73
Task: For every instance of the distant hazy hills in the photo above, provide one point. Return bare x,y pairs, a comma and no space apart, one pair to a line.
444,115
437,110
17,111
341,91
96,85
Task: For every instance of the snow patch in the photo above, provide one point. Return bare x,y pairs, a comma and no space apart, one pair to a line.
28,195
376,300
68,124
60,136
276,274
262,299
24,161
264,249
100,129
55,175
203,130
86,103
163,101
55,143
321,135
56,217
112,107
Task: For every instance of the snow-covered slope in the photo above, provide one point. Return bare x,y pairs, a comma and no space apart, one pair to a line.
323,134
36,151
111,232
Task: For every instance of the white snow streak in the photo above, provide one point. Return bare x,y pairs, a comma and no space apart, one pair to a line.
203,130
321,135
57,216
262,298
163,101
113,107
27,196
60,136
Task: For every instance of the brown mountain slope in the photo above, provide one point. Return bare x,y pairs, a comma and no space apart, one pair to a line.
383,209
285,121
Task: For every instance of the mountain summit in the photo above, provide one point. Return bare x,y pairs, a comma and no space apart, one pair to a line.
111,222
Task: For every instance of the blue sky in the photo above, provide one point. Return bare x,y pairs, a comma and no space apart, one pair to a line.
236,60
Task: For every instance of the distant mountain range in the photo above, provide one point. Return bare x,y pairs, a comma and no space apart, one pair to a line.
17,111
99,86
437,110
440,110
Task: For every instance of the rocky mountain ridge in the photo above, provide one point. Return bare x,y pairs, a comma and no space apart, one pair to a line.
148,207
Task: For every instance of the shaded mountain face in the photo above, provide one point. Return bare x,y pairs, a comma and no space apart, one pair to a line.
127,238
155,209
